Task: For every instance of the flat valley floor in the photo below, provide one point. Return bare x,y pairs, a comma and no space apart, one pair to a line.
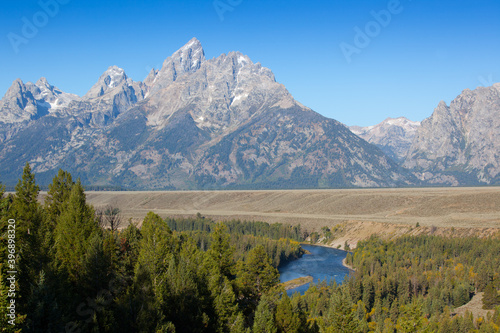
469,207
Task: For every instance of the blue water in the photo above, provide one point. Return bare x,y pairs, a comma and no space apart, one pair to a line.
322,264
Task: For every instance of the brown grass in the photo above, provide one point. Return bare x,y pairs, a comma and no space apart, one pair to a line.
440,207
361,212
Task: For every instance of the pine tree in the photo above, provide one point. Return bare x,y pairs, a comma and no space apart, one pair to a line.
286,320
341,316
257,275
129,248
490,297
264,317
19,319
226,307
44,311
75,226
155,256
27,213
221,251
155,246
59,192
411,319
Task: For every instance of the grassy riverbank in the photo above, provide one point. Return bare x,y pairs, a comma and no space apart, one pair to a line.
295,283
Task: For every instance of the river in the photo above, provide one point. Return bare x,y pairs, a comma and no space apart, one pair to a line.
323,263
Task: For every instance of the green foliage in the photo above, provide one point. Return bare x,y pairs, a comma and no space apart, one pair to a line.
156,246
264,321
490,297
341,315
195,275
221,251
256,275
263,229
59,192
26,211
75,226
314,237
243,237
411,319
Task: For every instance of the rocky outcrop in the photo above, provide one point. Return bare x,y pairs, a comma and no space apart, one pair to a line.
393,136
460,143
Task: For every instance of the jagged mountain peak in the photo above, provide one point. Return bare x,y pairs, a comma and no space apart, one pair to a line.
458,144
29,101
42,82
388,122
113,77
240,58
193,44
393,135
150,79
51,96
442,104
187,59
17,85
223,93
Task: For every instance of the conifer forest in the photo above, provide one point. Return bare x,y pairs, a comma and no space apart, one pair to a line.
69,267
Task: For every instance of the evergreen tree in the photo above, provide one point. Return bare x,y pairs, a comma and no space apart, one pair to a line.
490,297
156,246
411,319
75,226
226,307
150,291
221,251
44,312
257,275
185,286
25,206
5,319
286,320
27,213
341,316
129,240
58,193
264,317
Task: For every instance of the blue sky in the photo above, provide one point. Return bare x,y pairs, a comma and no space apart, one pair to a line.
426,51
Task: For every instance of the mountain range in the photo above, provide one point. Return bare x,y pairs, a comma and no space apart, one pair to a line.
225,123
393,136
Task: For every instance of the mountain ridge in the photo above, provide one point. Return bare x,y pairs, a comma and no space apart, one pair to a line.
393,135
197,123
459,143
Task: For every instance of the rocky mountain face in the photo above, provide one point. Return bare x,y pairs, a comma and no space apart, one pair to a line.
460,143
195,123
393,136
25,102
